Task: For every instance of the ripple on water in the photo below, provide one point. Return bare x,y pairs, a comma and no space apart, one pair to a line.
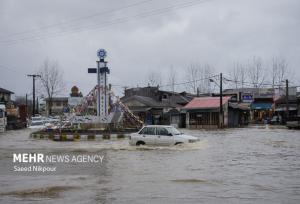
45,192
123,145
189,181
196,181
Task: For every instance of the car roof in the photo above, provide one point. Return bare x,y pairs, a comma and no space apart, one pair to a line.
158,126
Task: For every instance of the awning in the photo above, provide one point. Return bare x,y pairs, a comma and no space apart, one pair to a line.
261,106
282,107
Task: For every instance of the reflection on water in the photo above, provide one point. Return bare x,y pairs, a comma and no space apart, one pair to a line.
250,165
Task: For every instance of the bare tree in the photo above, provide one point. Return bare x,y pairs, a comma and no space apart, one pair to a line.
154,79
172,78
238,75
198,78
51,80
22,100
256,72
243,73
192,76
279,70
234,74
204,84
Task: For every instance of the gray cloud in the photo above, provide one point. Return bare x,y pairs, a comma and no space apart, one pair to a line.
216,32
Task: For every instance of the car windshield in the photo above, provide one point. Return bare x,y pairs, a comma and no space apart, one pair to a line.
37,123
173,131
36,118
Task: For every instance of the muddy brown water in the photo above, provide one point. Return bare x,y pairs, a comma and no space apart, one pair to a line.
247,165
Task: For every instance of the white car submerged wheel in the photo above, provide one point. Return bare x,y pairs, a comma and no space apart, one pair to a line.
138,143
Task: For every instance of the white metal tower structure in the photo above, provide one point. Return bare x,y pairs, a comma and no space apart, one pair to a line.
102,91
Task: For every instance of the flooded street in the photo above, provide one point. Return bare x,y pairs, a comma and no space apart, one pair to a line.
249,165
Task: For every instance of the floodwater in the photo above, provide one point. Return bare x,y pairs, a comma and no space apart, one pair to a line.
247,165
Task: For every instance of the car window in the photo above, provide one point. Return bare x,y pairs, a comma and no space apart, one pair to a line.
143,130
173,131
36,123
148,131
162,131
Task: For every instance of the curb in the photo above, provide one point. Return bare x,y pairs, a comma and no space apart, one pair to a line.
78,137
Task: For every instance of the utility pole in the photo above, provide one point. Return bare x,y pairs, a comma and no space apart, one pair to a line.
287,98
33,91
37,105
221,103
26,102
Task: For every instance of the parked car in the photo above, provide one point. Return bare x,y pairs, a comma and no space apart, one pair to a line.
36,124
160,135
276,120
293,122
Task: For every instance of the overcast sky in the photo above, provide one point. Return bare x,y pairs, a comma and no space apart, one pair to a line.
142,36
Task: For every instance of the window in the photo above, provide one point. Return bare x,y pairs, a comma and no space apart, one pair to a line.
162,131
37,123
142,131
148,131
173,131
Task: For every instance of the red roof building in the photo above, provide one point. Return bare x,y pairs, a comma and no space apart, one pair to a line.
206,103
203,112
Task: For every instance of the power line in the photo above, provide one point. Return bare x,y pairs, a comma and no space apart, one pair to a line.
109,23
79,19
187,82
173,84
252,83
9,68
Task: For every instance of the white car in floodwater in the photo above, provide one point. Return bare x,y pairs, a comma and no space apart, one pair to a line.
160,135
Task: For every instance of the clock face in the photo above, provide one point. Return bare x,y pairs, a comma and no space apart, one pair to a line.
101,53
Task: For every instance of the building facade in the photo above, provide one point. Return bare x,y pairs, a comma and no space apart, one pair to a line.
154,106
58,105
259,100
5,95
204,112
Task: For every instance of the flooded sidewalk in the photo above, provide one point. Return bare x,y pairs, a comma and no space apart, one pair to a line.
246,165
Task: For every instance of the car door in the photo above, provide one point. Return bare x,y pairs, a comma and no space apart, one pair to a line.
164,137
148,135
